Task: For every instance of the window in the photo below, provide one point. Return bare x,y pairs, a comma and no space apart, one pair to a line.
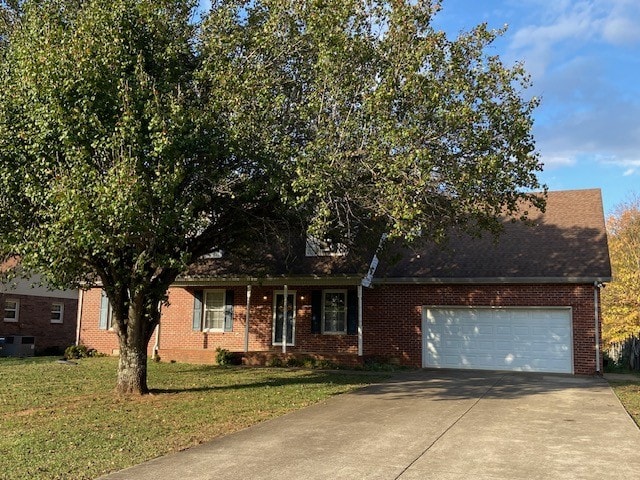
57,312
214,310
106,313
316,247
11,310
334,311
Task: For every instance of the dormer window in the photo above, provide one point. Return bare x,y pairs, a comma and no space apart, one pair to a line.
317,247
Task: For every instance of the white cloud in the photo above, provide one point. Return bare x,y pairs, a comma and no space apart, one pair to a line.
570,25
629,172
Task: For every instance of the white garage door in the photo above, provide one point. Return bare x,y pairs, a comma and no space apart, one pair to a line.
517,339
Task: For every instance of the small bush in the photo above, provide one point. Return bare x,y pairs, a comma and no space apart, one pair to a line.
326,365
275,362
80,351
309,362
224,357
294,362
76,351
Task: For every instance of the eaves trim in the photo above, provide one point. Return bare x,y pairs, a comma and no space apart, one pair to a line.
489,280
315,280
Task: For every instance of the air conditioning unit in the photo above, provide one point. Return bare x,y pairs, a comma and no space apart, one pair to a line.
17,346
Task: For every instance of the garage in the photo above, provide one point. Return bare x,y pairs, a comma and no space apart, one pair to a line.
528,339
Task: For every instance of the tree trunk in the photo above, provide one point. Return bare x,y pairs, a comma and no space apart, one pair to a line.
132,367
134,334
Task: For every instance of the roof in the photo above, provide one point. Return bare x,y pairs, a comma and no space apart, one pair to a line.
566,243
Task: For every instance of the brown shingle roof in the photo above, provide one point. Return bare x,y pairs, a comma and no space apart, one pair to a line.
568,241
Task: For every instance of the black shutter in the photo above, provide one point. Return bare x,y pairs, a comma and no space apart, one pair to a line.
197,310
228,311
316,311
352,312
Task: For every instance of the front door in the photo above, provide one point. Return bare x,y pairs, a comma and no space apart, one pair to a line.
278,316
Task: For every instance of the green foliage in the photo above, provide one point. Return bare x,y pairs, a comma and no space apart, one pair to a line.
81,351
295,362
275,362
225,357
621,298
75,351
135,137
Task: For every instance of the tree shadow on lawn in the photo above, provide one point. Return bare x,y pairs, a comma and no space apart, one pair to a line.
313,378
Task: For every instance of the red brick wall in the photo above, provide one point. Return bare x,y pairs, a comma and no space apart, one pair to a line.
393,314
105,341
34,319
391,321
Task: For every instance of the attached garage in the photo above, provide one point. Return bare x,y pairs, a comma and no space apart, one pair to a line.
530,339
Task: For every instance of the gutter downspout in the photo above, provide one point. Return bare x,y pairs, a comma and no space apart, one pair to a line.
79,316
246,323
596,293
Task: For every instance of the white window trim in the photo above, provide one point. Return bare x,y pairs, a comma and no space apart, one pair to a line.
17,310
61,319
204,309
322,319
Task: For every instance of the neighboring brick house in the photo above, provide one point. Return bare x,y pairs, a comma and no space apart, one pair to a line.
30,310
528,301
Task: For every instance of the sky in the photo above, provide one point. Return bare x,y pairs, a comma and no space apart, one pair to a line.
584,60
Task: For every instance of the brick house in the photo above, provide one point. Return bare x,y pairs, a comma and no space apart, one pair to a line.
31,310
528,301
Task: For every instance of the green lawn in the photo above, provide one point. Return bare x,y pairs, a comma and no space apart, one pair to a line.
63,421
628,391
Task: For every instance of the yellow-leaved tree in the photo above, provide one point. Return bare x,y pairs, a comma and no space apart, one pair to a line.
621,299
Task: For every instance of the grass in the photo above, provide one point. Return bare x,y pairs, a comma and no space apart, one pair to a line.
64,421
628,391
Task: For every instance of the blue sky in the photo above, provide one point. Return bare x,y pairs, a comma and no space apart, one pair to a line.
584,60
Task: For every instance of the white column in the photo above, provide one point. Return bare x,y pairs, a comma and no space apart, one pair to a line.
284,320
360,346
246,321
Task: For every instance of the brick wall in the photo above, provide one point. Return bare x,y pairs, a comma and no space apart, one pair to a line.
393,314
34,319
391,318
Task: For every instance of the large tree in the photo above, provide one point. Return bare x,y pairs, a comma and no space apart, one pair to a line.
621,298
135,136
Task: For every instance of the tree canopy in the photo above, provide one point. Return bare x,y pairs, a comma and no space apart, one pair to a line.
621,298
137,135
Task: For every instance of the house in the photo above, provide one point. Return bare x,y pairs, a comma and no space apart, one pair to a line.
45,320
526,301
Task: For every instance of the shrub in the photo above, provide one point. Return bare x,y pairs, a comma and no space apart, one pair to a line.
76,351
309,362
294,362
327,365
224,357
275,362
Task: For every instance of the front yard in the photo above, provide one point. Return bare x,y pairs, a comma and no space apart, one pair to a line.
62,421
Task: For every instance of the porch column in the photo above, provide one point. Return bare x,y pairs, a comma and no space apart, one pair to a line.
360,348
246,321
285,315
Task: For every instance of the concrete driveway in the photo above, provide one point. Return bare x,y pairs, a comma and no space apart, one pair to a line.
430,424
